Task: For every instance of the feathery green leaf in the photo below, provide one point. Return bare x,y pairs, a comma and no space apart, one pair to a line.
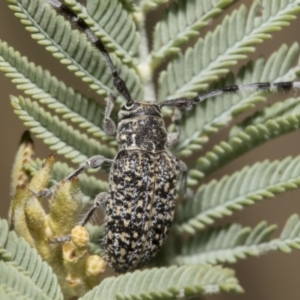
231,41
120,37
221,198
71,47
182,22
216,113
9,294
167,283
244,141
289,107
230,244
41,86
57,134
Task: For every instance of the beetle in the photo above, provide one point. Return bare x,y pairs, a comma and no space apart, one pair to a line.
141,200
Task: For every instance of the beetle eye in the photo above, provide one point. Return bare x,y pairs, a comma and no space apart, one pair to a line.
128,107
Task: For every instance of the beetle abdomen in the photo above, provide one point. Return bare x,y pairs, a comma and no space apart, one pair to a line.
141,208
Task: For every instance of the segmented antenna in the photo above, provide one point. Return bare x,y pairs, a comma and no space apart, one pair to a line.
82,26
259,86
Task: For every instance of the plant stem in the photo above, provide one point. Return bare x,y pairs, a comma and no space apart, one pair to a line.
144,66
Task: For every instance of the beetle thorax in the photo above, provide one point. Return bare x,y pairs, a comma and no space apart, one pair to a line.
142,127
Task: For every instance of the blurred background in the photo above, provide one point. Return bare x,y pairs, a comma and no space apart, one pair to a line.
274,276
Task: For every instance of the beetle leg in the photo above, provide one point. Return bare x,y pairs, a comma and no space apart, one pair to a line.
173,137
100,201
109,125
93,162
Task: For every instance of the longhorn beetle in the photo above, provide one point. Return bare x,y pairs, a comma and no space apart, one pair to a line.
141,200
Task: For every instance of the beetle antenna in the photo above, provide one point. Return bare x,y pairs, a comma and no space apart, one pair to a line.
119,83
183,102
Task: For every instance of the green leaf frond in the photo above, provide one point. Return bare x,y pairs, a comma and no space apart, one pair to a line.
71,47
182,22
90,186
57,134
289,107
221,198
8,294
121,37
230,244
216,113
41,86
167,283
244,141
230,42
19,283
25,272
